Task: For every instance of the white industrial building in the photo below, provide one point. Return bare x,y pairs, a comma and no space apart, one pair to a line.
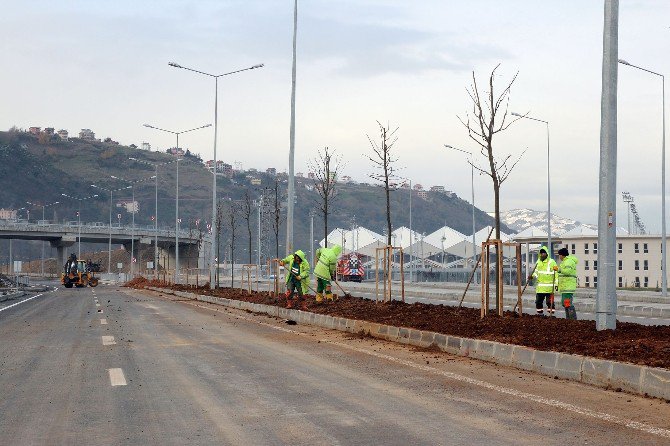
638,256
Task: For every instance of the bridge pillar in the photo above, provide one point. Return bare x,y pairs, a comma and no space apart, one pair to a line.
61,246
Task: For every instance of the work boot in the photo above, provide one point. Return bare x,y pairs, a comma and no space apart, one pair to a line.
289,303
329,296
319,298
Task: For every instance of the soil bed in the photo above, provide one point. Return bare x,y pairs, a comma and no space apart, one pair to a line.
630,342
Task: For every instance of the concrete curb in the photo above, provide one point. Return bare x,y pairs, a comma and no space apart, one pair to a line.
643,380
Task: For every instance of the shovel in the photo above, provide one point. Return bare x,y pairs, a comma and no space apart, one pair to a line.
342,289
524,289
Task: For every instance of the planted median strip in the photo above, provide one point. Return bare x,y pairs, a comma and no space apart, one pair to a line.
515,341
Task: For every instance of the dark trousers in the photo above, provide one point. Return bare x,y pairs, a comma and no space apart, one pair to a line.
293,286
540,298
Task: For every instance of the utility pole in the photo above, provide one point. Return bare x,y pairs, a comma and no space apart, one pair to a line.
606,300
291,153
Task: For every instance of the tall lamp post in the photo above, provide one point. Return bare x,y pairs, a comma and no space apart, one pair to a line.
43,218
212,282
548,182
472,187
109,246
664,279
79,219
132,231
156,165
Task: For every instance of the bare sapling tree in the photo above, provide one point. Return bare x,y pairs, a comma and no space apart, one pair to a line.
232,222
275,212
383,160
247,209
490,116
217,229
326,166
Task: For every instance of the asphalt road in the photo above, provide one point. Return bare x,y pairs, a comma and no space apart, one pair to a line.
153,370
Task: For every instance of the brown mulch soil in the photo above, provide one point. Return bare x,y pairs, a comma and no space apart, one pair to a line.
634,343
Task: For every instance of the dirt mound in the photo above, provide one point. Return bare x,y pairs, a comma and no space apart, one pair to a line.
634,343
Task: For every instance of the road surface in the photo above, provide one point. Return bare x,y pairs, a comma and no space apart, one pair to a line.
116,366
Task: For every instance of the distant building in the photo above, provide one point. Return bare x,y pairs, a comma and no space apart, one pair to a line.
437,189
7,214
87,134
176,152
253,170
146,146
418,187
256,181
271,171
423,194
226,170
35,130
300,175
63,135
132,207
49,130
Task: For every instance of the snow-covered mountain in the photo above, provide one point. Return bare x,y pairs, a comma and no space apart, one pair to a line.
520,219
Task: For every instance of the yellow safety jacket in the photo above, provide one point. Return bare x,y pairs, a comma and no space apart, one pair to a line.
546,277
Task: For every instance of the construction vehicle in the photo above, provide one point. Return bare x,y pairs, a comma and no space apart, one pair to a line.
350,268
78,274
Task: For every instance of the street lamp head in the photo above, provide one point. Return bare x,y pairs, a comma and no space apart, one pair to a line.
449,147
148,125
260,65
516,114
175,64
621,61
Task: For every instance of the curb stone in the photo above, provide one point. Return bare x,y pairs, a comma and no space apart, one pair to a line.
643,380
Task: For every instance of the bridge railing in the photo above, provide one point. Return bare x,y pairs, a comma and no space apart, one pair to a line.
91,227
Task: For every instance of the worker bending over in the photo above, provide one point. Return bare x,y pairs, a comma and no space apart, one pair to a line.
297,278
326,265
545,276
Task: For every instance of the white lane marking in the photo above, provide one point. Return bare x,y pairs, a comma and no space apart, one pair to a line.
19,303
103,321
116,377
108,340
476,382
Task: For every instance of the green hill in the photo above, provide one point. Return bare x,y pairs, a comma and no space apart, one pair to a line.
33,169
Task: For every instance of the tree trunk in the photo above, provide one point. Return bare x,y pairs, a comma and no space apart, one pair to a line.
325,224
496,195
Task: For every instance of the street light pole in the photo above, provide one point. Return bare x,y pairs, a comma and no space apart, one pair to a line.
43,219
216,77
156,165
472,186
176,217
664,278
79,218
551,252
109,246
291,154
132,231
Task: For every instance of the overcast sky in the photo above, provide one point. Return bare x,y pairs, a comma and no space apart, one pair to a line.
103,65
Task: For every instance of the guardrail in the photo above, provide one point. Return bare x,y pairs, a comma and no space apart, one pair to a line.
140,230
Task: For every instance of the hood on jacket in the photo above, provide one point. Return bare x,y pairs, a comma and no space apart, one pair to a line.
337,249
300,254
543,248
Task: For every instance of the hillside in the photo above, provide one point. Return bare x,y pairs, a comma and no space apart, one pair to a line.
41,172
